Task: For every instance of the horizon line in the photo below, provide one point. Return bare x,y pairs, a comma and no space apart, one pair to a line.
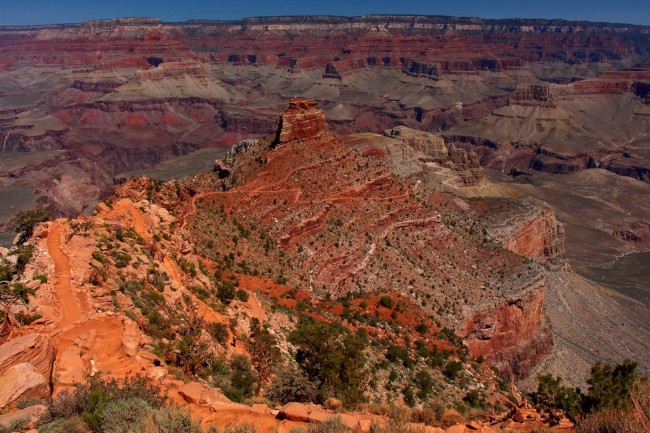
347,17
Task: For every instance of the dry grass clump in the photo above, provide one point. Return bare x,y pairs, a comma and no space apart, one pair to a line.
634,419
451,417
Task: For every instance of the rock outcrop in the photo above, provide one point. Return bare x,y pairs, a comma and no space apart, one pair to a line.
529,229
301,120
431,150
514,335
32,414
22,382
35,349
25,369
540,236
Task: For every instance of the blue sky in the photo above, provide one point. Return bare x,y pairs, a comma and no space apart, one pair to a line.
22,12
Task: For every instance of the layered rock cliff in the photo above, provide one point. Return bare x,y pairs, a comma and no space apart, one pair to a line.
514,335
528,228
433,151
300,121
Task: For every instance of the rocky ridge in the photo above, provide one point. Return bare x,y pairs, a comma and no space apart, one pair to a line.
305,186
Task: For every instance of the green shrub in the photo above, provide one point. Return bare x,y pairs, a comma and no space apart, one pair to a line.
475,400
26,318
422,328
73,424
132,415
386,301
552,395
41,278
226,292
20,424
397,353
188,267
243,379
219,332
99,257
21,293
88,397
242,295
438,357
24,222
330,425
452,369
409,396
264,351
292,384
172,420
424,383
28,403
611,386
330,355
610,389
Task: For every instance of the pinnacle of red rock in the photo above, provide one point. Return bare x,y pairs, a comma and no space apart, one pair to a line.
300,121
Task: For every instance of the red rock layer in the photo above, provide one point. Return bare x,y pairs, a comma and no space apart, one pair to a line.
300,121
542,236
513,336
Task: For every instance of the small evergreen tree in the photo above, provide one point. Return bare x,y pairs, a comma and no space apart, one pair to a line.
25,221
551,396
611,386
331,357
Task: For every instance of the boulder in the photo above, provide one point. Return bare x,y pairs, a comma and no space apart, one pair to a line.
191,392
22,382
318,415
131,338
156,373
218,406
353,422
69,367
212,396
33,285
32,413
33,348
294,412
261,409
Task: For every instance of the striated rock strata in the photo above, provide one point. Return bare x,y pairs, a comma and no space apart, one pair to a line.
514,335
35,349
300,121
528,228
464,163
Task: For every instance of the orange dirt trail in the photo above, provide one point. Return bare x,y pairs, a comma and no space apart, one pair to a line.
69,301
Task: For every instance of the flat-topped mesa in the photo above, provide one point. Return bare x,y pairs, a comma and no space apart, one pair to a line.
300,121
